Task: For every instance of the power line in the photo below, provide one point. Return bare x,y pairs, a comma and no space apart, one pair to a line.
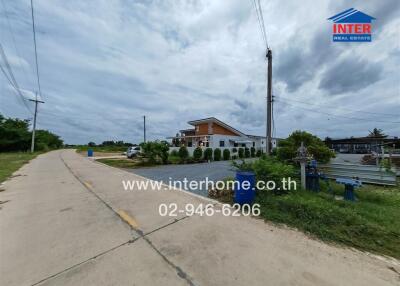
260,23
263,23
36,57
339,116
11,77
13,40
343,108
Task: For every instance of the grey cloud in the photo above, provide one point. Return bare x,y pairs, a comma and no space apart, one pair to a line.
350,74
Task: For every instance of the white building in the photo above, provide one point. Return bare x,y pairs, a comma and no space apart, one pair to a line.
213,133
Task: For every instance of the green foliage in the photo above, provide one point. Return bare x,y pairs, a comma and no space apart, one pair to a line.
371,224
47,140
270,169
183,153
234,150
226,154
376,133
208,154
287,149
217,154
241,152
246,152
253,152
174,153
15,136
242,166
198,154
259,153
155,151
91,144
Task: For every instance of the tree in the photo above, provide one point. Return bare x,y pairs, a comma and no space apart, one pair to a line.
287,149
155,151
226,154
46,140
197,153
183,153
208,154
14,134
246,152
241,152
376,133
253,151
217,154
91,144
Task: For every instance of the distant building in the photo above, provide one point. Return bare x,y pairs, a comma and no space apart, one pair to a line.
213,133
362,145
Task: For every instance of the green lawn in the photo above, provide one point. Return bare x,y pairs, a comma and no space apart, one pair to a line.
84,148
10,162
125,163
372,223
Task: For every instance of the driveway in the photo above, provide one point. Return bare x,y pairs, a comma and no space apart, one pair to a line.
214,171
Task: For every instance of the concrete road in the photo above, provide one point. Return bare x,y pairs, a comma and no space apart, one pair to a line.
66,220
195,172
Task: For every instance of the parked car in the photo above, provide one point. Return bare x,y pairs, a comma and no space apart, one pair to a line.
132,151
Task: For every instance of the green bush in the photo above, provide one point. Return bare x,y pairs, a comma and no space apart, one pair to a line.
217,154
174,153
246,152
226,154
183,153
197,153
259,153
287,149
208,154
269,169
155,151
241,152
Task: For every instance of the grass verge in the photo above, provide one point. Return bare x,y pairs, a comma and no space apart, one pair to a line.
125,163
11,162
372,223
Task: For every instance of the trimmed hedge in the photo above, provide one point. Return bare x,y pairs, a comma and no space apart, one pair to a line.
226,154
208,154
197,154
217,154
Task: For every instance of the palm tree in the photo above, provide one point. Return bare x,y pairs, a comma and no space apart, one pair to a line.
376,133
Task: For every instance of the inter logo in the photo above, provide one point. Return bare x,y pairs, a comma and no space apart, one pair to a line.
351,26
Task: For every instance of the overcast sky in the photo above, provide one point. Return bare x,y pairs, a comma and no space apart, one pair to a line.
105,64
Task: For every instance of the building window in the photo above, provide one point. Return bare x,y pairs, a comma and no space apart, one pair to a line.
189,144
254,144
207,144
235,144
243,145
222,143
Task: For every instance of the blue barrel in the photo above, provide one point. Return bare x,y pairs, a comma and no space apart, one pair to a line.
90,152
244,195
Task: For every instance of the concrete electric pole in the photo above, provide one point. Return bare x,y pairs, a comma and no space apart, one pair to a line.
144,128
36,101
269,103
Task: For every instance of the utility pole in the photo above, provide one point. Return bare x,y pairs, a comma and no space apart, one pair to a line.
144,128
36,101
269,103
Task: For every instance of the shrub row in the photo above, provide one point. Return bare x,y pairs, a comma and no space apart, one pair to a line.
216,155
